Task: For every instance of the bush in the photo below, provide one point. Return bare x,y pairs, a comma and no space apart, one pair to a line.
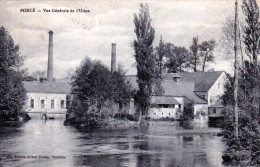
246,147
188,112
126,116
109,109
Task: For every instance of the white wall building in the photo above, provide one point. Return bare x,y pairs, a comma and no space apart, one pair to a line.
200,89
51,97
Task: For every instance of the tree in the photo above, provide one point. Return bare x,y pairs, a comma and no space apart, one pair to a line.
194,59
171,63
91,83
178,58
91,89
160,54
95,91
39,74
251,29
144,56
13,94
235,107
226,41
243,132
206,52
121,87
181,56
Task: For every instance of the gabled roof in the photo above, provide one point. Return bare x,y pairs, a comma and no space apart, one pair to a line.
217,104
203,80
171,88
163,100
171,76
47,87
174,89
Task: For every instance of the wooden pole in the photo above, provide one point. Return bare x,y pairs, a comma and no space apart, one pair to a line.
235,78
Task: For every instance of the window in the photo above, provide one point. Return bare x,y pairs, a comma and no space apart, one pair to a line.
203,96
163,105
62,104
154,113
218,85
179,105
214,111
42,103
169,113
171,106
52,103
32,103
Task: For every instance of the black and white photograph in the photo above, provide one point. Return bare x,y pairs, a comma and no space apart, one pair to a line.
130,83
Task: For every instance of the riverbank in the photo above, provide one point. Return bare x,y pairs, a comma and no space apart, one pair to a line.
21,118
107,123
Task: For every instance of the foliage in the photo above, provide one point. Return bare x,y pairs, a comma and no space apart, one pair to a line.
121,88
84,113
39,74
145,59
177,58
245,148
126,116
34,76
194,59
160,53
10,57
228,96
227,40
96,92
188,112
251,29
206,49
13,94
91,83
159,68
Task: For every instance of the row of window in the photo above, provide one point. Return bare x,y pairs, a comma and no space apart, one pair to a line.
166,114
62,103
169,106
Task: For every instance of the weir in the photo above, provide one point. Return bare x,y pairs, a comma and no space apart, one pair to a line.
47,114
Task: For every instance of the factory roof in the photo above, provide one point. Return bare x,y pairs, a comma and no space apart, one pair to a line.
47,87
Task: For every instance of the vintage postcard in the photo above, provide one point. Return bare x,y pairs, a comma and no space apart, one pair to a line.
129,83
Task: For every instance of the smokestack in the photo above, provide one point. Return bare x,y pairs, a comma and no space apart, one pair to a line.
50,57
113,58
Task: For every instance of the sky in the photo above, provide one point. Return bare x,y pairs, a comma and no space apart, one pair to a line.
77,35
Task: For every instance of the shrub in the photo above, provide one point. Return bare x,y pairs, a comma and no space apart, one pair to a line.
126,116
244,148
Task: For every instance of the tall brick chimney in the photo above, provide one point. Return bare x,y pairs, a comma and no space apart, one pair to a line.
113,58
50,57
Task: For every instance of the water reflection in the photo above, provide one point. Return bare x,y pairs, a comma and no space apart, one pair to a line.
160,144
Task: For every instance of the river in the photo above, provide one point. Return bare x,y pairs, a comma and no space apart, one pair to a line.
50,143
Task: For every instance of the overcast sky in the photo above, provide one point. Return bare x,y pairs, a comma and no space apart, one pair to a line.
77,35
